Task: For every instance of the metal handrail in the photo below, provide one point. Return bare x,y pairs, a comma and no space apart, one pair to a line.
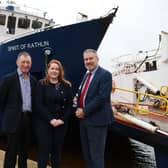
138,104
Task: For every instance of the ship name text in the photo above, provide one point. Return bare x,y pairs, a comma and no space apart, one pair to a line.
36,44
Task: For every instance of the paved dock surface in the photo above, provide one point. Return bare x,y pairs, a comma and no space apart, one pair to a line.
31,163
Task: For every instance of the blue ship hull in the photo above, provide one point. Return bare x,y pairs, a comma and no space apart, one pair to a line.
158,141
66,44
152,139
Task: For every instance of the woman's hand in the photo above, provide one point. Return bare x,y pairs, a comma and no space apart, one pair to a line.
60,122
53,122
56,122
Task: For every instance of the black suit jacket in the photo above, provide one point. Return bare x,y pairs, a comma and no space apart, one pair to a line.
11,101
50,106
98,110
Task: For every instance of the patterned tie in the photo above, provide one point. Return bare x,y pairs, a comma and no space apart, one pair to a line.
84,89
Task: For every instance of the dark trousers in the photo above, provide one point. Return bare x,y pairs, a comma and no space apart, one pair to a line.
19,143
50,141
93,139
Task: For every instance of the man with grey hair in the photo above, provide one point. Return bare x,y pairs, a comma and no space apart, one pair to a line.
16,103
94,110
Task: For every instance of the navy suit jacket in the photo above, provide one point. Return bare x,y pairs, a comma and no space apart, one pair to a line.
11,101
98,110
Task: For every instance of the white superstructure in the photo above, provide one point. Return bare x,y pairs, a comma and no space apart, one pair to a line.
144,71
16,19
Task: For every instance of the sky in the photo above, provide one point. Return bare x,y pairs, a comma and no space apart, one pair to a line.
136,26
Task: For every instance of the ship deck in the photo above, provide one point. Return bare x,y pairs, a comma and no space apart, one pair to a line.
146,112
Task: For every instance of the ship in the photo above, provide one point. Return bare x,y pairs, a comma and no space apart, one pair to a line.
44,40
26,29
140,97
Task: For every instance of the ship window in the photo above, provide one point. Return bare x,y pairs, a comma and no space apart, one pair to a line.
36,24
11,24
46,25
2,19
23,23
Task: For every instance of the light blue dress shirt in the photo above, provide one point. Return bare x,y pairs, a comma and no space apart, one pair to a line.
25,92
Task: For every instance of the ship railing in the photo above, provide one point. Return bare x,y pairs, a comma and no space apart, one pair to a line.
19,35
142,103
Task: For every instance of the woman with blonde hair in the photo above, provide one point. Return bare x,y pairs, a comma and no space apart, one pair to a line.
53,110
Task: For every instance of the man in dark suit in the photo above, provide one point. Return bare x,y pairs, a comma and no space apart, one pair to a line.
16,104
94,110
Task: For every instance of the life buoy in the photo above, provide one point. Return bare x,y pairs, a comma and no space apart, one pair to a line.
113,86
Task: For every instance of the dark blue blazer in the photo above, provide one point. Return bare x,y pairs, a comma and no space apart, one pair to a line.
11,101
98,109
